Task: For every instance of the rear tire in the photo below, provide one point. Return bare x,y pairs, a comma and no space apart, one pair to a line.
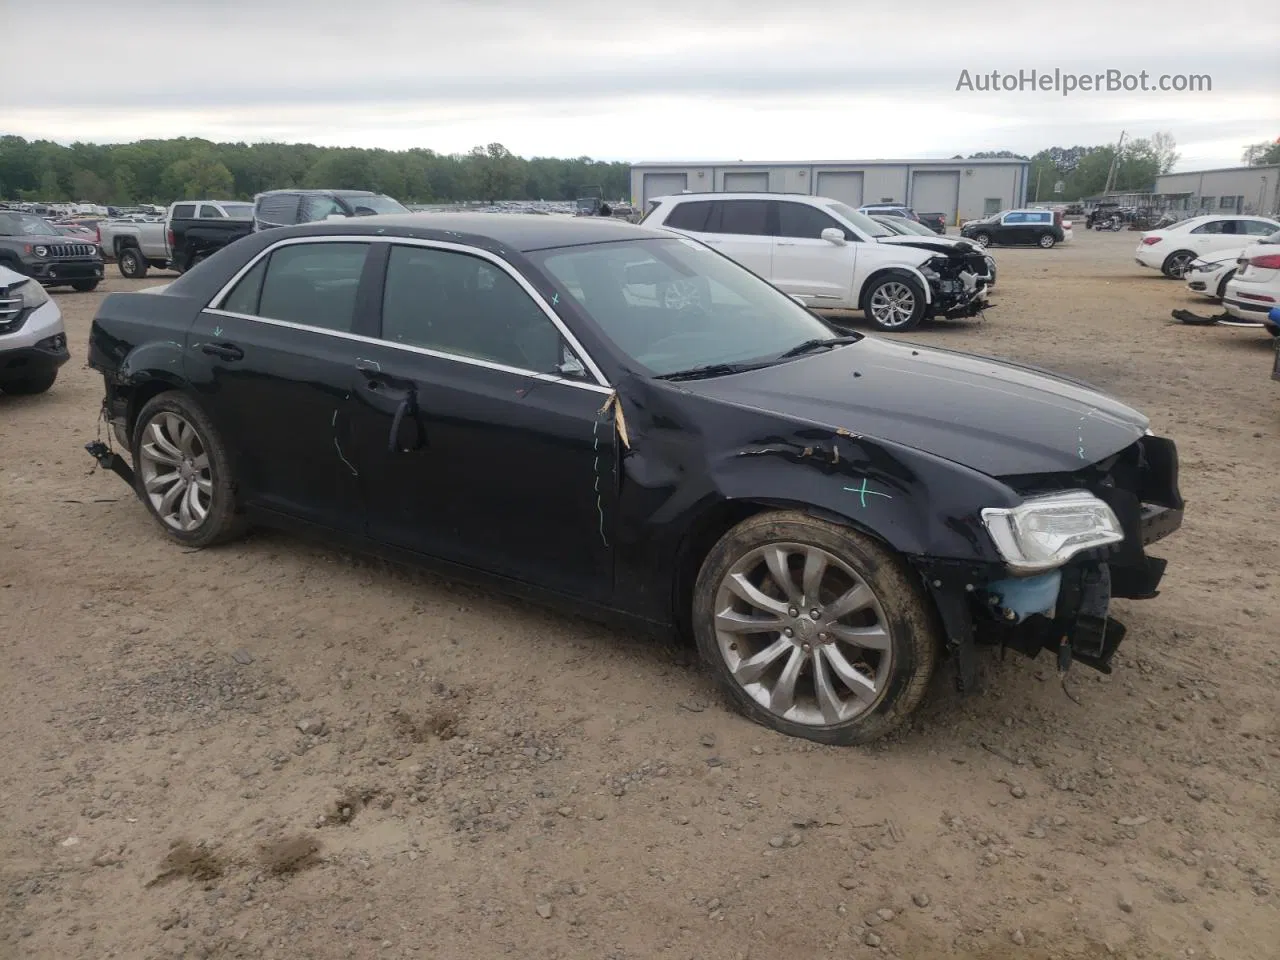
183,472
1046,241
982,239
1175,265
27,386
878,628
131,263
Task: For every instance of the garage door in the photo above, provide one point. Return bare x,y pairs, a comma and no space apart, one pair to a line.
746,182
845,187
936,193
664,184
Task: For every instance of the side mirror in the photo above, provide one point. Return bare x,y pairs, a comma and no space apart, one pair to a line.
834,235
569,365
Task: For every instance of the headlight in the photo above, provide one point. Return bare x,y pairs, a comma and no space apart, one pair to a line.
32,294
1045,532
40,251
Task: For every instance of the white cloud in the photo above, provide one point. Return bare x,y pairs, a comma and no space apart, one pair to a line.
662,80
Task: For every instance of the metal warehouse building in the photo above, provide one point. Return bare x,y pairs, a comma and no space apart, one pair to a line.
961,189
1234,189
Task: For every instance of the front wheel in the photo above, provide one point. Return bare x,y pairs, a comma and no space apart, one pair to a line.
813,629
894,303
1046,241
183,472
84,286
1222,284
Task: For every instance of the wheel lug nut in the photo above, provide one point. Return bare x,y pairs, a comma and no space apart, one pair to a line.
789,632
805,647
815,613
822,637
794,612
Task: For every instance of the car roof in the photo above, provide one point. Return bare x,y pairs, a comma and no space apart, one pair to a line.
322,192
743,195
514,231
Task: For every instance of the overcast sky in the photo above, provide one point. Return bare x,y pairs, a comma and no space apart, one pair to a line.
645,80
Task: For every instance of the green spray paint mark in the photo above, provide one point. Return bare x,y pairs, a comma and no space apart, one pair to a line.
862,492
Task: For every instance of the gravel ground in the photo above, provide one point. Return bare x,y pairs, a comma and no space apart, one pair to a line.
278,750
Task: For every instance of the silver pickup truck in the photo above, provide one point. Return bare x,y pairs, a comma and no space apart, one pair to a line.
140,245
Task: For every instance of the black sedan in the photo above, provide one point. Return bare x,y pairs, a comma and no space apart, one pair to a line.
628,423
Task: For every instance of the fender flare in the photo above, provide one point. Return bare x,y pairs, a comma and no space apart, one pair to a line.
913,272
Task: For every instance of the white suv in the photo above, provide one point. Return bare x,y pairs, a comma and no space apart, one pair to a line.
828,255
33,342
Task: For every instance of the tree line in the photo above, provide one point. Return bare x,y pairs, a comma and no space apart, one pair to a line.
161,171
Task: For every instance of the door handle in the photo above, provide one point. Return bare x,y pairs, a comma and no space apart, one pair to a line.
223,351
368,366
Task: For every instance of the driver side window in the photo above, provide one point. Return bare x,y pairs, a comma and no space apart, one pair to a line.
467,306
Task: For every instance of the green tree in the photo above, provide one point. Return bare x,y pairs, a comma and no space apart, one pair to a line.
1262,154
87,185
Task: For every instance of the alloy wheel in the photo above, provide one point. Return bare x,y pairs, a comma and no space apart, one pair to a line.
892,304
803,634
1178,264
174,467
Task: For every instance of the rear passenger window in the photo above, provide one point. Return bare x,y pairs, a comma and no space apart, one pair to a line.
465,305
803,221
313,284
748,217
280,209
1213,226
184,211
210,212
690,216
243,297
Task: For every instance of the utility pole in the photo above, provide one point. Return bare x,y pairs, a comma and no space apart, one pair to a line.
1115,165
1039,172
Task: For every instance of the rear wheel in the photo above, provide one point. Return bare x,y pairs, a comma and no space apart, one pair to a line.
813,629
183,472
131,263
982,239
1175,265
35,383
1046,240
894,302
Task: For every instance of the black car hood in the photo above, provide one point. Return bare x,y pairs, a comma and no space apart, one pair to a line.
940,245
1001,418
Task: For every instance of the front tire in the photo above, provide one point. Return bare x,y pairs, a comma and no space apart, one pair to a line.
894,303
131,263
1222,284
28,386
813,629
183,472
84,286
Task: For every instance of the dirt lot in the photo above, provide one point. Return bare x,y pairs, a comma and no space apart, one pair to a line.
277,750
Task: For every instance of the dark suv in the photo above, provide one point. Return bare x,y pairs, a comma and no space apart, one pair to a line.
287,208
33,246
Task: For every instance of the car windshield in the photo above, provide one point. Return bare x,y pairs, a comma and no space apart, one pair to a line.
25,224
376,204
910,226
238,211
859,220
673,305
893,223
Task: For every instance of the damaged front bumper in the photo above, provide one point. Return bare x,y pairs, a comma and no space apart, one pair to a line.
959,289
1067,611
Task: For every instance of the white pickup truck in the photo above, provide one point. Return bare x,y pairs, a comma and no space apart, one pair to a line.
137,246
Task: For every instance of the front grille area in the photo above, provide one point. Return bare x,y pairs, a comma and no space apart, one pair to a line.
63,250
11,308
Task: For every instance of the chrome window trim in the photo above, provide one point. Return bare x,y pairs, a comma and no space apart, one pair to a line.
410,348
601,384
